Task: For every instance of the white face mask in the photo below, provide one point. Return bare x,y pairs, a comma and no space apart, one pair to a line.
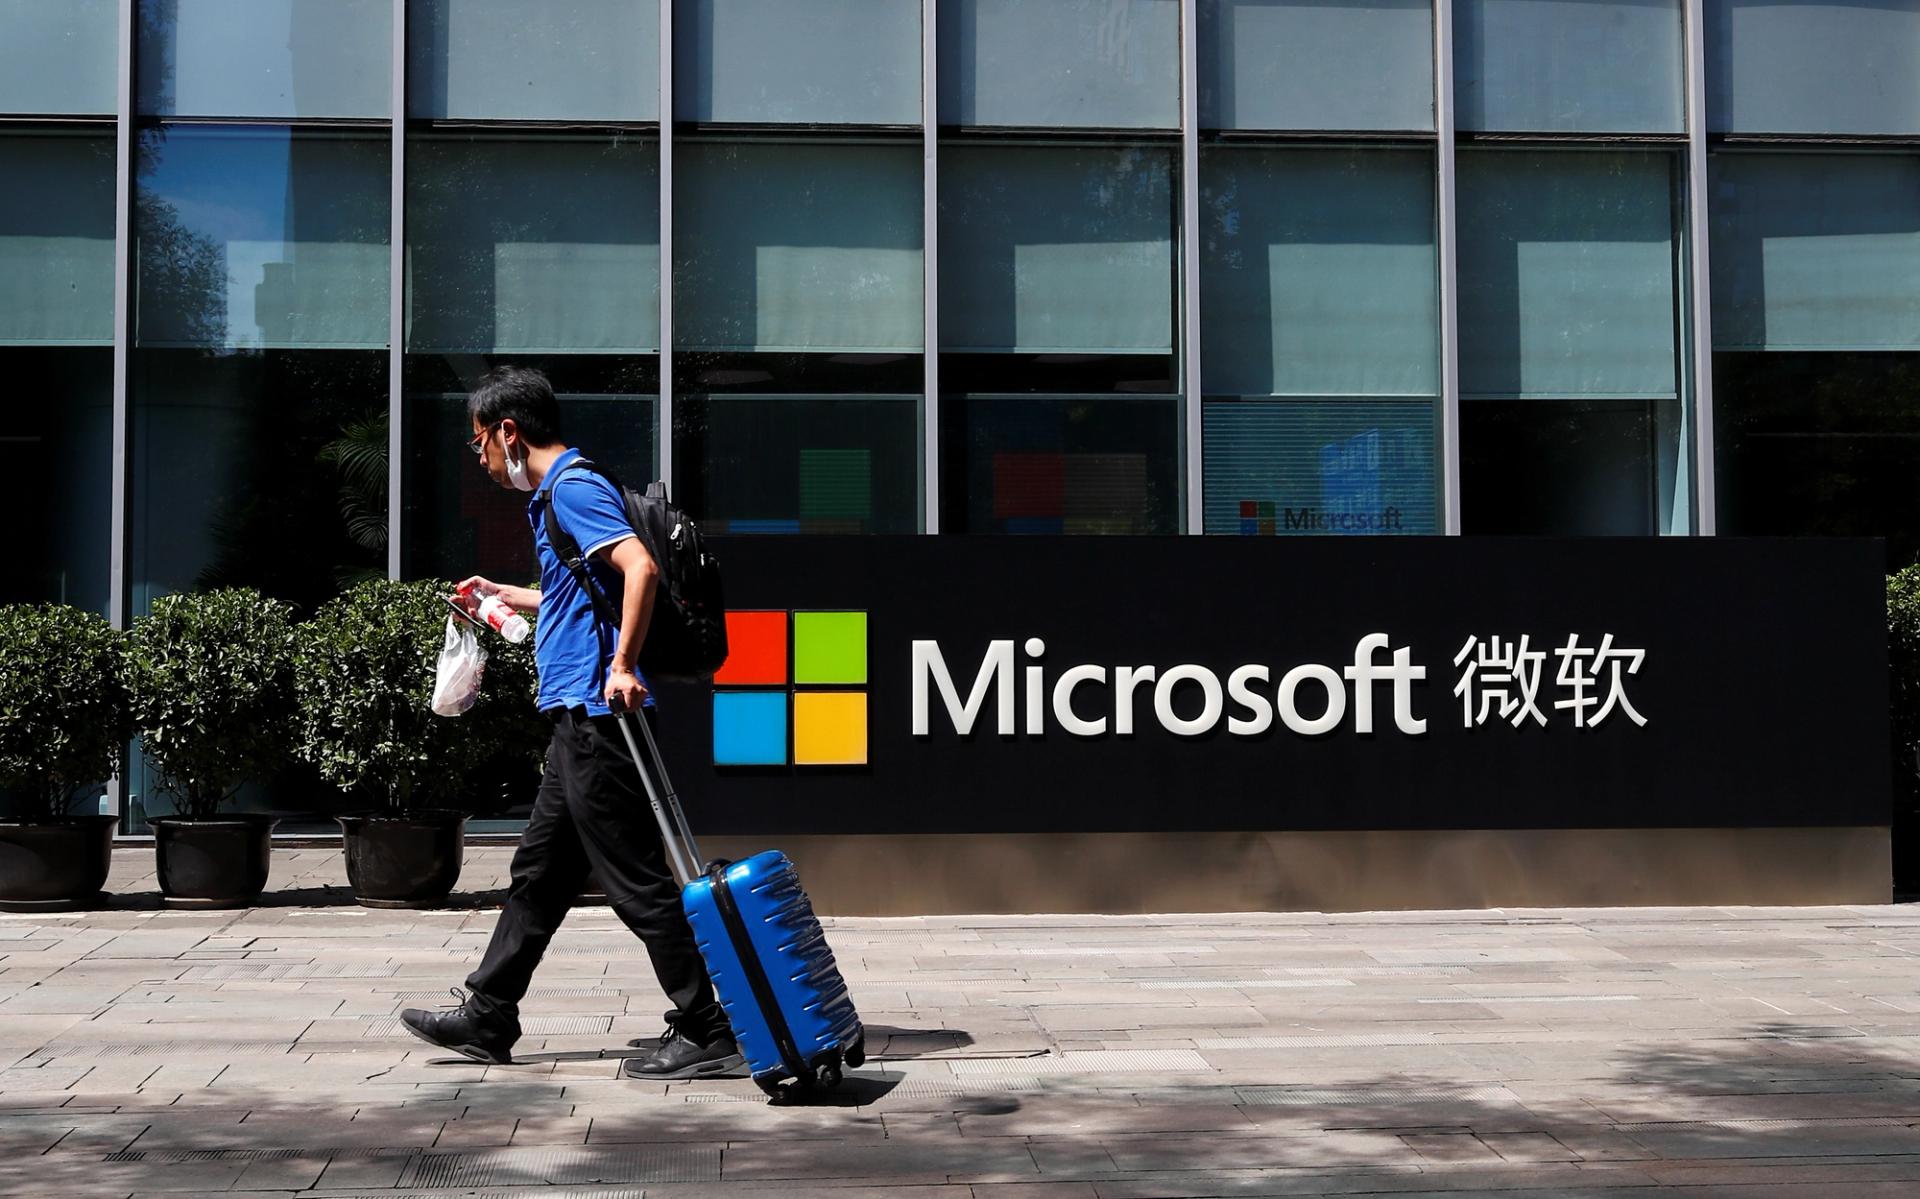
517,473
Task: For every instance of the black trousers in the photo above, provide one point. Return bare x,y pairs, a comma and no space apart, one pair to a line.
592,811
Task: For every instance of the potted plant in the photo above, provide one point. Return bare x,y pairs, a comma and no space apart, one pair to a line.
63,732
366,663
212,687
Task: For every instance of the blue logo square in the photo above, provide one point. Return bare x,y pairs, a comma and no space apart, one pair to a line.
750,728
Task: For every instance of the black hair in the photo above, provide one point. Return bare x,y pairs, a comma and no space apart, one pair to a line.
519,394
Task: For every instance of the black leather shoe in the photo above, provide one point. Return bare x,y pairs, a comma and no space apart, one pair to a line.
465,1031
679,1057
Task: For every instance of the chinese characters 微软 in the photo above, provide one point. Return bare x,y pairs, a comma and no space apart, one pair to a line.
1501,678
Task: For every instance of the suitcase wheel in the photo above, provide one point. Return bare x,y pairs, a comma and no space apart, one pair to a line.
771,1085
857,1053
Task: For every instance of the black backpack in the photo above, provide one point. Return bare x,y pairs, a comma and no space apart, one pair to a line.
686,641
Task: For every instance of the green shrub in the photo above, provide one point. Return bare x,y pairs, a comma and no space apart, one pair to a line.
366,667
1903,661
212,683
63,705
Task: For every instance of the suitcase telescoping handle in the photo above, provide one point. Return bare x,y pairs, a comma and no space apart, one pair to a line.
683,856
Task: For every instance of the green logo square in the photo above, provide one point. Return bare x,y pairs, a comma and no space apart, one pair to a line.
830,647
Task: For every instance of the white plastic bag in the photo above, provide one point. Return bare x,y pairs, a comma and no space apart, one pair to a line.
456,679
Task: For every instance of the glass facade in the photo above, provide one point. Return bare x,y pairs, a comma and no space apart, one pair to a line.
1327,282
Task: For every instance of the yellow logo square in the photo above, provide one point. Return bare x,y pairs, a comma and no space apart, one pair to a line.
830,728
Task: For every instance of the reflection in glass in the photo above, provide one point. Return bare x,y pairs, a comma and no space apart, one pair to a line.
1567,274
265,58
533,244
258,468
774,62
834,266
1289,64
1571,421
56,238
815,464
1056,249
1568,66
258,380
1082,64
59,57
1060,464
56,330
1295,467
557,60
1318,272
1815,251
1813,66
1578,468
456,521
261,237
1820,444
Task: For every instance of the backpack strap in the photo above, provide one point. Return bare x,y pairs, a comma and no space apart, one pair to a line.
567,550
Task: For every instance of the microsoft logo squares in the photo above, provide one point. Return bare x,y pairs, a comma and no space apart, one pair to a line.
793,691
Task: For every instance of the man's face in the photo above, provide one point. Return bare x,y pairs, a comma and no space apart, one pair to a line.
492,440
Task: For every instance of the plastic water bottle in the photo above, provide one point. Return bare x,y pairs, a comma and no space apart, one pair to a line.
504,620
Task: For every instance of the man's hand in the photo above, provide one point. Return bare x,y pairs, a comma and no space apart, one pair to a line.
625,691
468,592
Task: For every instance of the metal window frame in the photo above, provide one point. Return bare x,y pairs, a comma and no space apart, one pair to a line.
930,266
663,411
396,285
1700,279
119,591
1445,209
1194,409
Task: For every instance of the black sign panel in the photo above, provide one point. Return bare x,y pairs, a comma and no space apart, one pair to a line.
1683,682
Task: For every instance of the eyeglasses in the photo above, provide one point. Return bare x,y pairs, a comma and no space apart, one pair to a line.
478,442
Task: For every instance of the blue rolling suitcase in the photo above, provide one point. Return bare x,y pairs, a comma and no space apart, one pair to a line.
764,949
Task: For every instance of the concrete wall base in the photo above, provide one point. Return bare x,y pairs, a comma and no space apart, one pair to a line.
1130,873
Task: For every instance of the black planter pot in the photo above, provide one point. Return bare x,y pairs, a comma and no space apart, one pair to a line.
52,867
217,863
409,860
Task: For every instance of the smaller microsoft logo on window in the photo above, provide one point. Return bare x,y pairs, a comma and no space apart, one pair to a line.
802,673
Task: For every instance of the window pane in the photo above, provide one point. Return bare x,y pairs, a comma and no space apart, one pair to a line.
457,522
1574,66
800,464
1302,467
1567,264
1056,249
1089,64
557,60
1819,444
62,455
56,239
834,265
265,58
261,237
1318,273
1289,64
235,481
1069,464
1578,468
1813,66
531,244
827,62
1815,251
60,57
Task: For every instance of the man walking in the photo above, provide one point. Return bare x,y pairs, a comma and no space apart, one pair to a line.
591,809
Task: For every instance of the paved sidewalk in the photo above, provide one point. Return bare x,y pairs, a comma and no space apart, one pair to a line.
1734,1053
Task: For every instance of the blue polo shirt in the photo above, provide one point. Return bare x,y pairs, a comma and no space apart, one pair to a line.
572,647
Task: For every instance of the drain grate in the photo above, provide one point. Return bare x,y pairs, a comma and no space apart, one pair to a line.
1381,1096
552,1167
533,1026
1090,1061
1354,1040
88,1051
1239,984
